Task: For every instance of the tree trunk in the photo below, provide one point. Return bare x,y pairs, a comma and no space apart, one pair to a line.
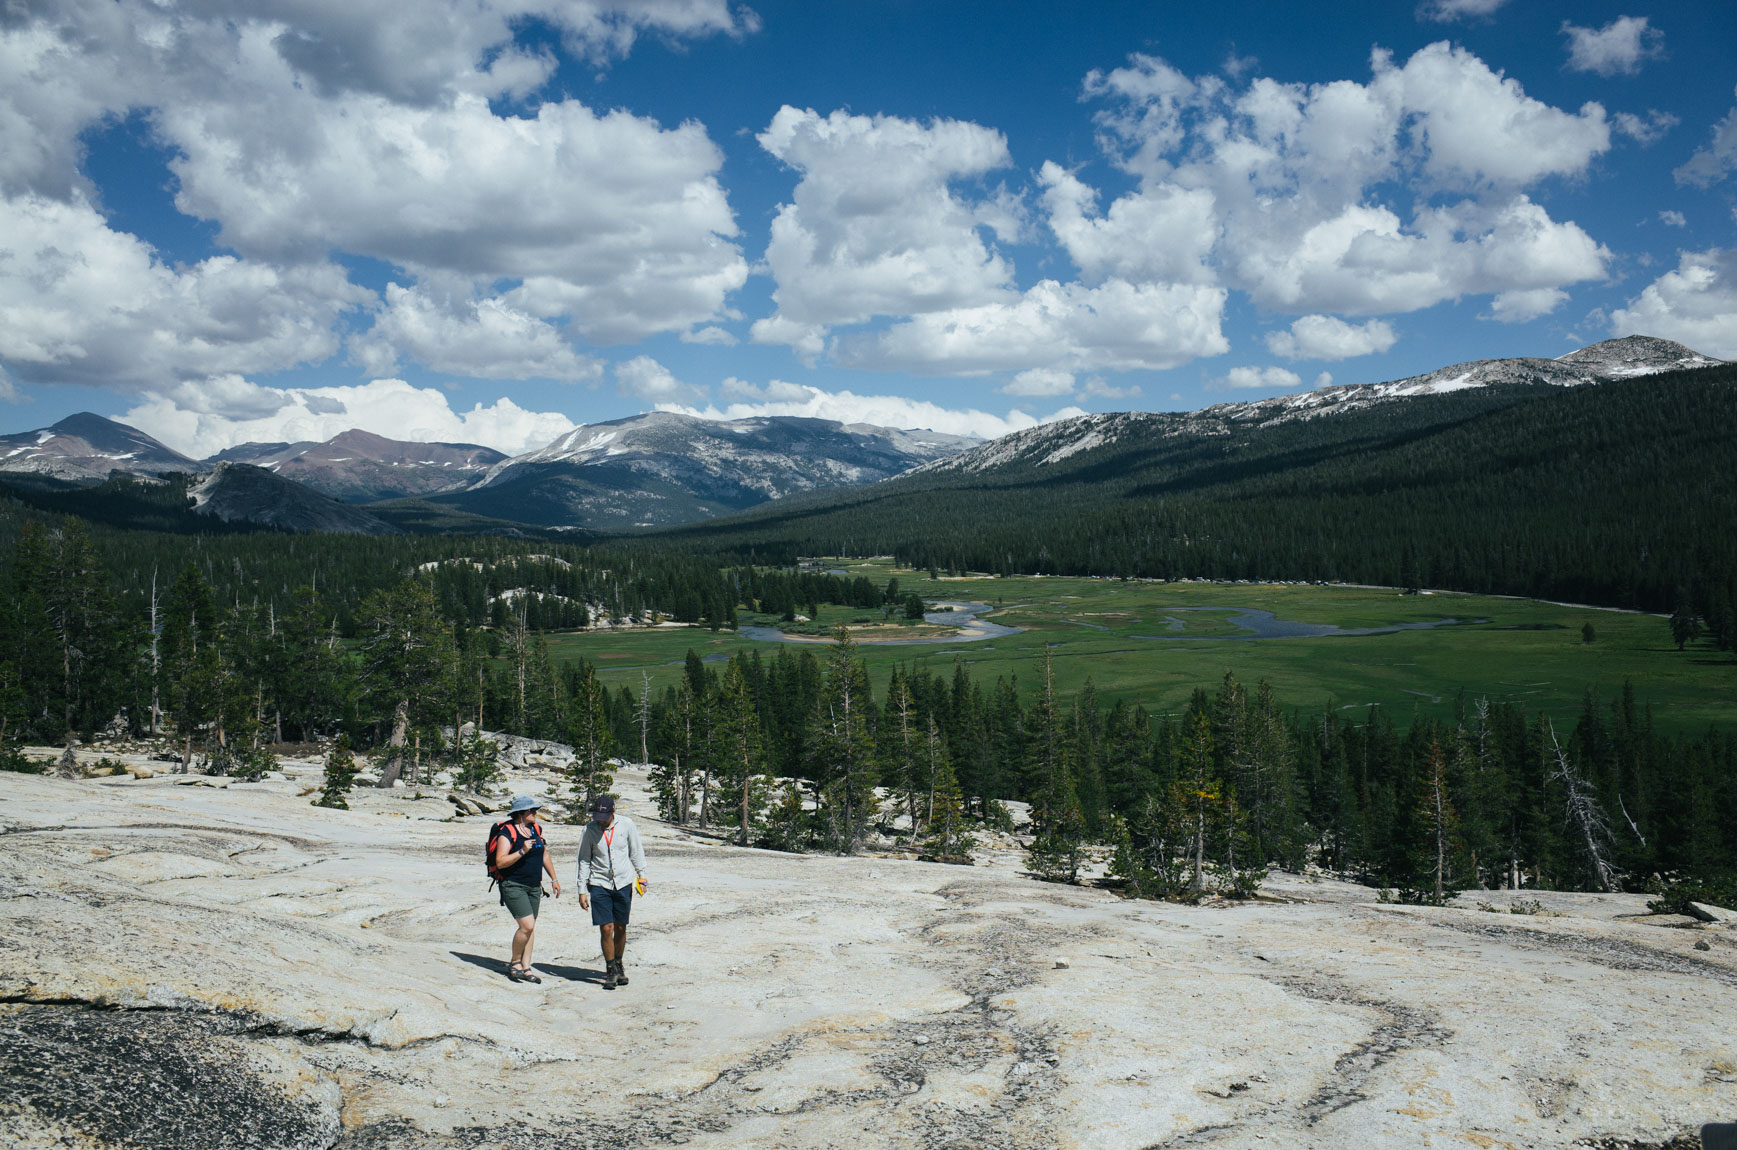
1199,844
395,761
747,784
681,776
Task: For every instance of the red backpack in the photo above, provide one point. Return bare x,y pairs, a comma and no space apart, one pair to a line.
495,833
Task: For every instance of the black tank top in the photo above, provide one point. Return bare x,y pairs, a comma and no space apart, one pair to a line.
528,870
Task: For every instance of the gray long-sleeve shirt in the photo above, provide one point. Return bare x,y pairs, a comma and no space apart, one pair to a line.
611,858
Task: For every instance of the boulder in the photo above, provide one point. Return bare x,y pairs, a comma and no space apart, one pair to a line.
1707,912
520,753
470,805
140,772
101,772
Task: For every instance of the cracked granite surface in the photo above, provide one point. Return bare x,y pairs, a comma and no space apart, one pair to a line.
187,966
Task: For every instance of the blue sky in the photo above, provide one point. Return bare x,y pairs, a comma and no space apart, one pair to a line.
490,220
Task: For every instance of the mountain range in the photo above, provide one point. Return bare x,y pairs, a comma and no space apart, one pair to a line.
663,469
1627,358
1620,493
361,467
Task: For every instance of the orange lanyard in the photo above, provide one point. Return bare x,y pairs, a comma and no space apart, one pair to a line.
609,838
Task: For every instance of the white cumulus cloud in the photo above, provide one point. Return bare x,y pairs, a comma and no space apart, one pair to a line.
645,378
305,129
485,338
1265,378
1716,160
82,303
1644,130
1694,304
781,398
1444,11
876,225
1040,381
1390,196
204,417
1617,49
1116,326
607,220
1329,337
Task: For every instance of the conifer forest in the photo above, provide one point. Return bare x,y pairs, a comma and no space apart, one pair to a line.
222,646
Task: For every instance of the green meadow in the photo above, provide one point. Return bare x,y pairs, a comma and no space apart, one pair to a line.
1154,643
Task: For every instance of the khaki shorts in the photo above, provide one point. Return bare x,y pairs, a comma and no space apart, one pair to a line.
521,901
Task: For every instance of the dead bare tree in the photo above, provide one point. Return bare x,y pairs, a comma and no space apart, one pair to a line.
644,717
1586,815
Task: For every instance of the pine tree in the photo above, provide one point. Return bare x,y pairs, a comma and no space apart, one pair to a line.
842,758
945,832
588,776
740,753
1058,844
340,775
479,760
404,643
899,757
1436,817
673,775
1198,789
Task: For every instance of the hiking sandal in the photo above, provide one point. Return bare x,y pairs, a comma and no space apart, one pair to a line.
526,974
515,973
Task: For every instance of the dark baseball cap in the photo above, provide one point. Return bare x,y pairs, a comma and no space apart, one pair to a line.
603,805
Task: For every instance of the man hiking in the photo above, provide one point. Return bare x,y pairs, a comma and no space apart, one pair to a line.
611,861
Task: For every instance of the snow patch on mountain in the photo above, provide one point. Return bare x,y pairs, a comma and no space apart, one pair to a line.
1052,443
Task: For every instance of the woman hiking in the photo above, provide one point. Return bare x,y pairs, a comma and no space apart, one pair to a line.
522,858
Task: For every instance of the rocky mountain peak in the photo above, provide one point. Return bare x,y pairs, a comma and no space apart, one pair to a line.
85,447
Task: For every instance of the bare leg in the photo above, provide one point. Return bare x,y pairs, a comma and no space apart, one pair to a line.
620,940
522,941
606,934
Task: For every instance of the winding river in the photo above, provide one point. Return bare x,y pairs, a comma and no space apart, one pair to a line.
963,616
1256,624
1260,624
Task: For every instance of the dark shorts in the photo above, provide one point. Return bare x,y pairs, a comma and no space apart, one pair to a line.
610,905
520,900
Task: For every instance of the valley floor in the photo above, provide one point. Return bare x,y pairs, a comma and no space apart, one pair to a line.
225,965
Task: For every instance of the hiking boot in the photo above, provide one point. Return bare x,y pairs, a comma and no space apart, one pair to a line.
609,976
620,972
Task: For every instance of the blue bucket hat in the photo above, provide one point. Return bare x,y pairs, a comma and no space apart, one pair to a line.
524,803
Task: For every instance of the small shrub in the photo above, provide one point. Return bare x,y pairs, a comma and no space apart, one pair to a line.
252,764
12,759
788,826
1525,906
1675,897
340,776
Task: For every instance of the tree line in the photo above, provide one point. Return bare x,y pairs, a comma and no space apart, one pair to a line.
1619,494
1204,799
794,752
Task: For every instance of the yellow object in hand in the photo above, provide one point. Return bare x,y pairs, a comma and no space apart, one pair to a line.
638,886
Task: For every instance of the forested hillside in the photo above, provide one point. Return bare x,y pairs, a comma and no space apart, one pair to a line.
220,646
1496,797
1620,493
